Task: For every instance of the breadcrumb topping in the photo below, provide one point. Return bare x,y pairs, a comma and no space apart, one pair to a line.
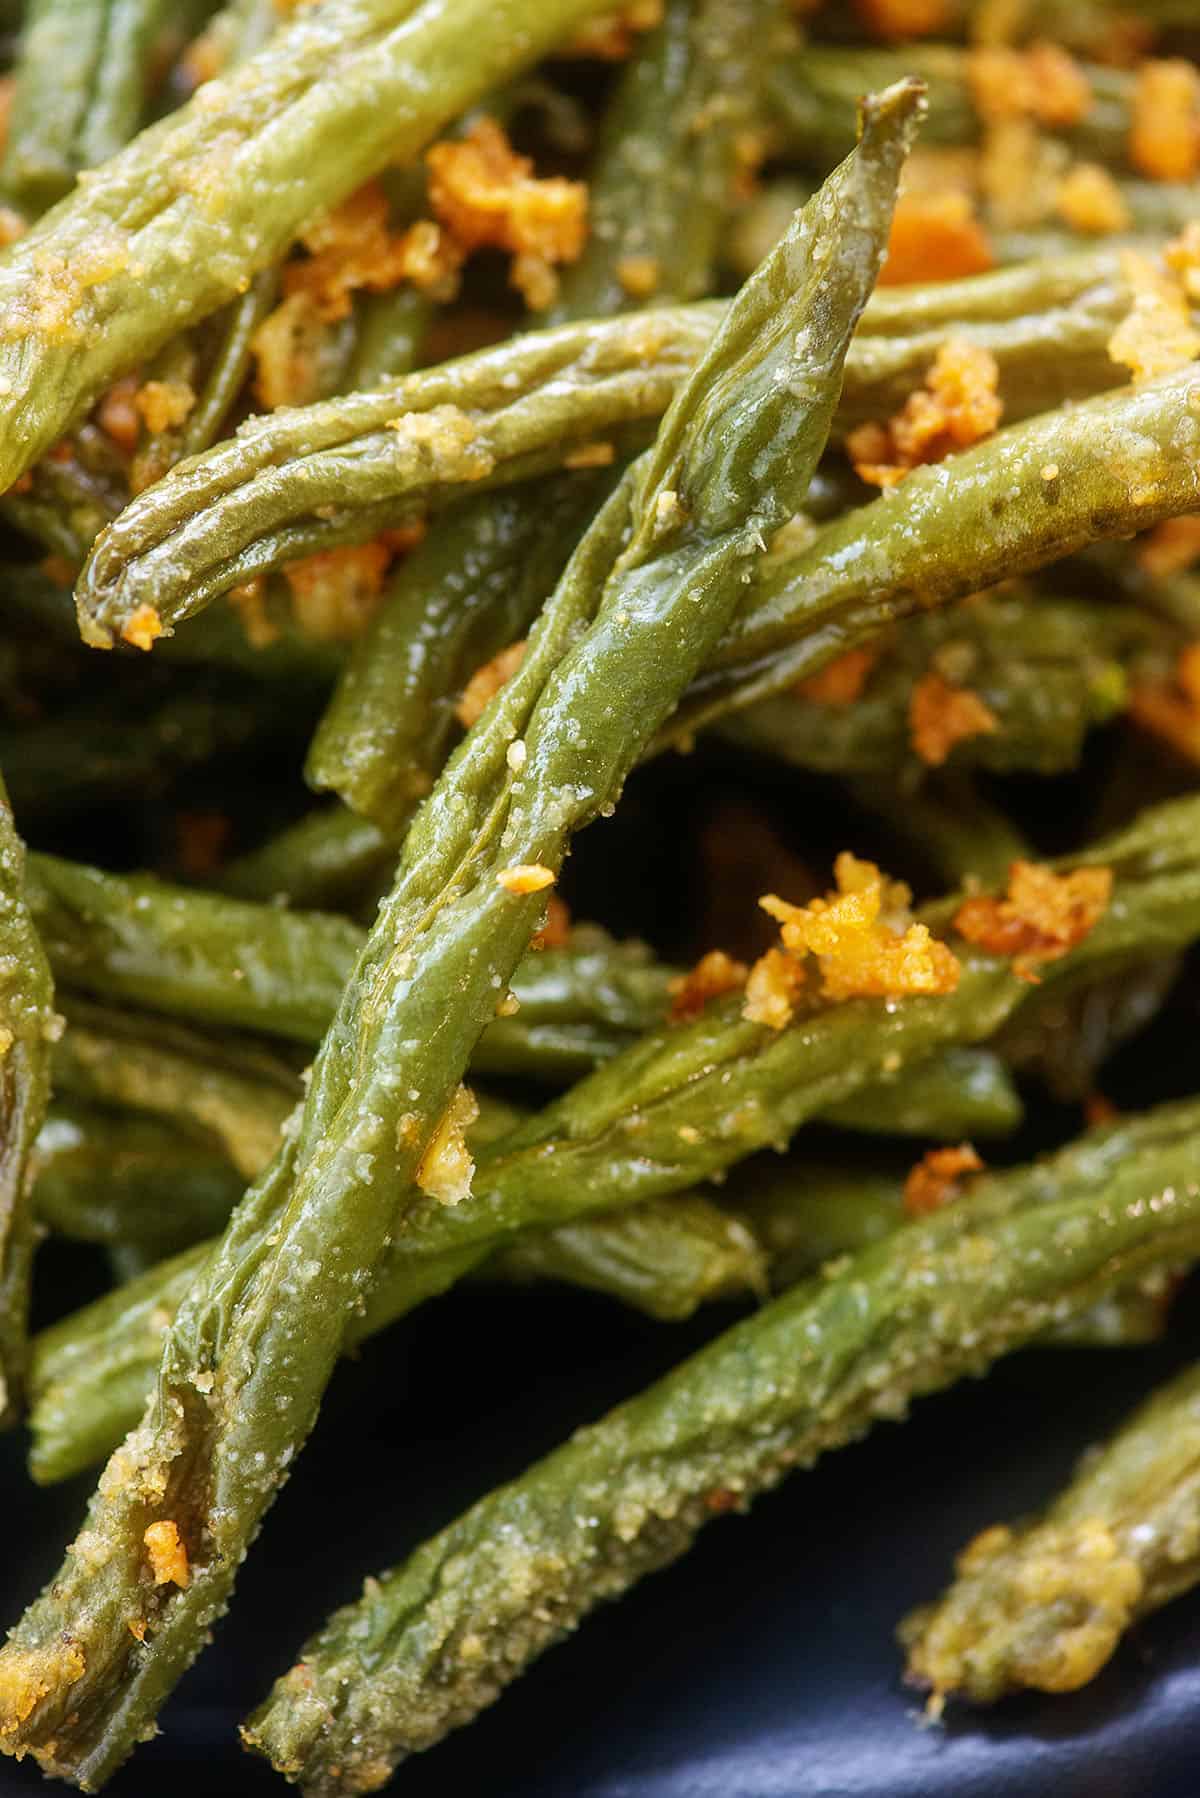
446,1169
335,593
935,236
164,404
612,36
287,354
1170,708
353,246
117,413
556,931
1157,334
1170,547
486,682
841,681
938,1178
1182,255
714,975
486,195
1042,83
142,628
1042,916
168,1556
525,877
894,20
864,942
1164,127
941,716
1088,199
958,405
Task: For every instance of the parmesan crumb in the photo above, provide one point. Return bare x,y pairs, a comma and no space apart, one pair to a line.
841,681
1170,709
940,716
935,236
446,1169
611,37
1170,547
557,928
168,1556
713,975
639,275
1042,83
164,404
1164,128
1088,199
772,988
486,682
142,628
1156,335
1042,916
525,877
958,405
516,755
336,592
938,1177
897,20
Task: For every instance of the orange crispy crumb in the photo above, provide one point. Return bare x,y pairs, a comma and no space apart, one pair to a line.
1042,915
863,939
117,414
590,455
940,716
557,928
1171,546
935,236
12,226
612,36
713,975
1157,334
1164,129
8,85
1170,709
163,404
142,628
958,405
335,593
772,988
486,682
1042,83
639,275
59,570
525,877
841,681
203,59
351,247
168,1556
287,354
485,194
938,1177
898,19
249,601
1183,255
1099,1109
137,1628
1088,199
446,1169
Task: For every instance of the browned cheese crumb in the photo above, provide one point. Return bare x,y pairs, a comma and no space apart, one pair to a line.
1042,916
486,682
446,1168
1156,335
556,931
168,1556
1170,547
841,681
938,1178
1170,708
935,236
1088,199
713,975
525,877
486,195
864,942
1164,129
142,628
941,716
612,36
164,404
117,413
896,20
958,405
335,593
1042,83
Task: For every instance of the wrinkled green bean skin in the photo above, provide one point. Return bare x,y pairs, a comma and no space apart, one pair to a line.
638,610
1124,461
324,861
28,1023
1046,1603
436,1640
180,221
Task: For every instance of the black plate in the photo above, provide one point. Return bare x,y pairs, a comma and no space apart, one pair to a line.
762,1666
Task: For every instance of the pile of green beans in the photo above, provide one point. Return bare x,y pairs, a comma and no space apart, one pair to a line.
295,1032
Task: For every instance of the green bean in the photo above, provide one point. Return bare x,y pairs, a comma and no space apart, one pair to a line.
1035,492
323,861
389,328
28,1024
1047,670
646,595
329,100
474,586
1045,1603
1065,1038
112,1178
497,415
437,1639
954,1093
666,165
230,1090
82,74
